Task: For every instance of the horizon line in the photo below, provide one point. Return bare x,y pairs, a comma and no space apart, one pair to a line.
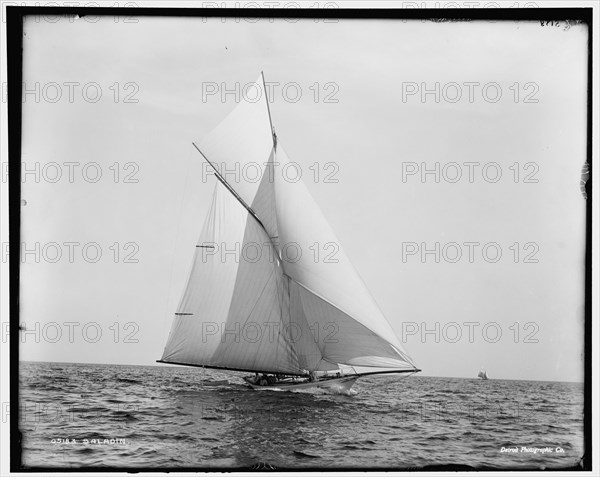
200,367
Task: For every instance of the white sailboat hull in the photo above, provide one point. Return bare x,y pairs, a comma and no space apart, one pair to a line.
342,384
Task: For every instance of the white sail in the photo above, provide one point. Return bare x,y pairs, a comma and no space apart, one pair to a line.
331,286
268,310
233,313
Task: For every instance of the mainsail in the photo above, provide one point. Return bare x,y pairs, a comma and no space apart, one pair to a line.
256,298
482,374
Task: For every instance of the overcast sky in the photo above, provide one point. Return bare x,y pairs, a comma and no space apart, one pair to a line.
361,108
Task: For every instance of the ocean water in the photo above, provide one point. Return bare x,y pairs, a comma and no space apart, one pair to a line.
88,415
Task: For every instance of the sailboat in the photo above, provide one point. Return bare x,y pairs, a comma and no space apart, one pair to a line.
482,374
257,298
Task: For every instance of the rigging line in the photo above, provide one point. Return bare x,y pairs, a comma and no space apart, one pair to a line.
395,371
269,111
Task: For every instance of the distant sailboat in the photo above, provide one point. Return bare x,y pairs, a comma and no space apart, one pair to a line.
276,311
482,374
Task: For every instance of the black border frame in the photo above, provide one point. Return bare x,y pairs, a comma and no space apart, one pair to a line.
14,49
